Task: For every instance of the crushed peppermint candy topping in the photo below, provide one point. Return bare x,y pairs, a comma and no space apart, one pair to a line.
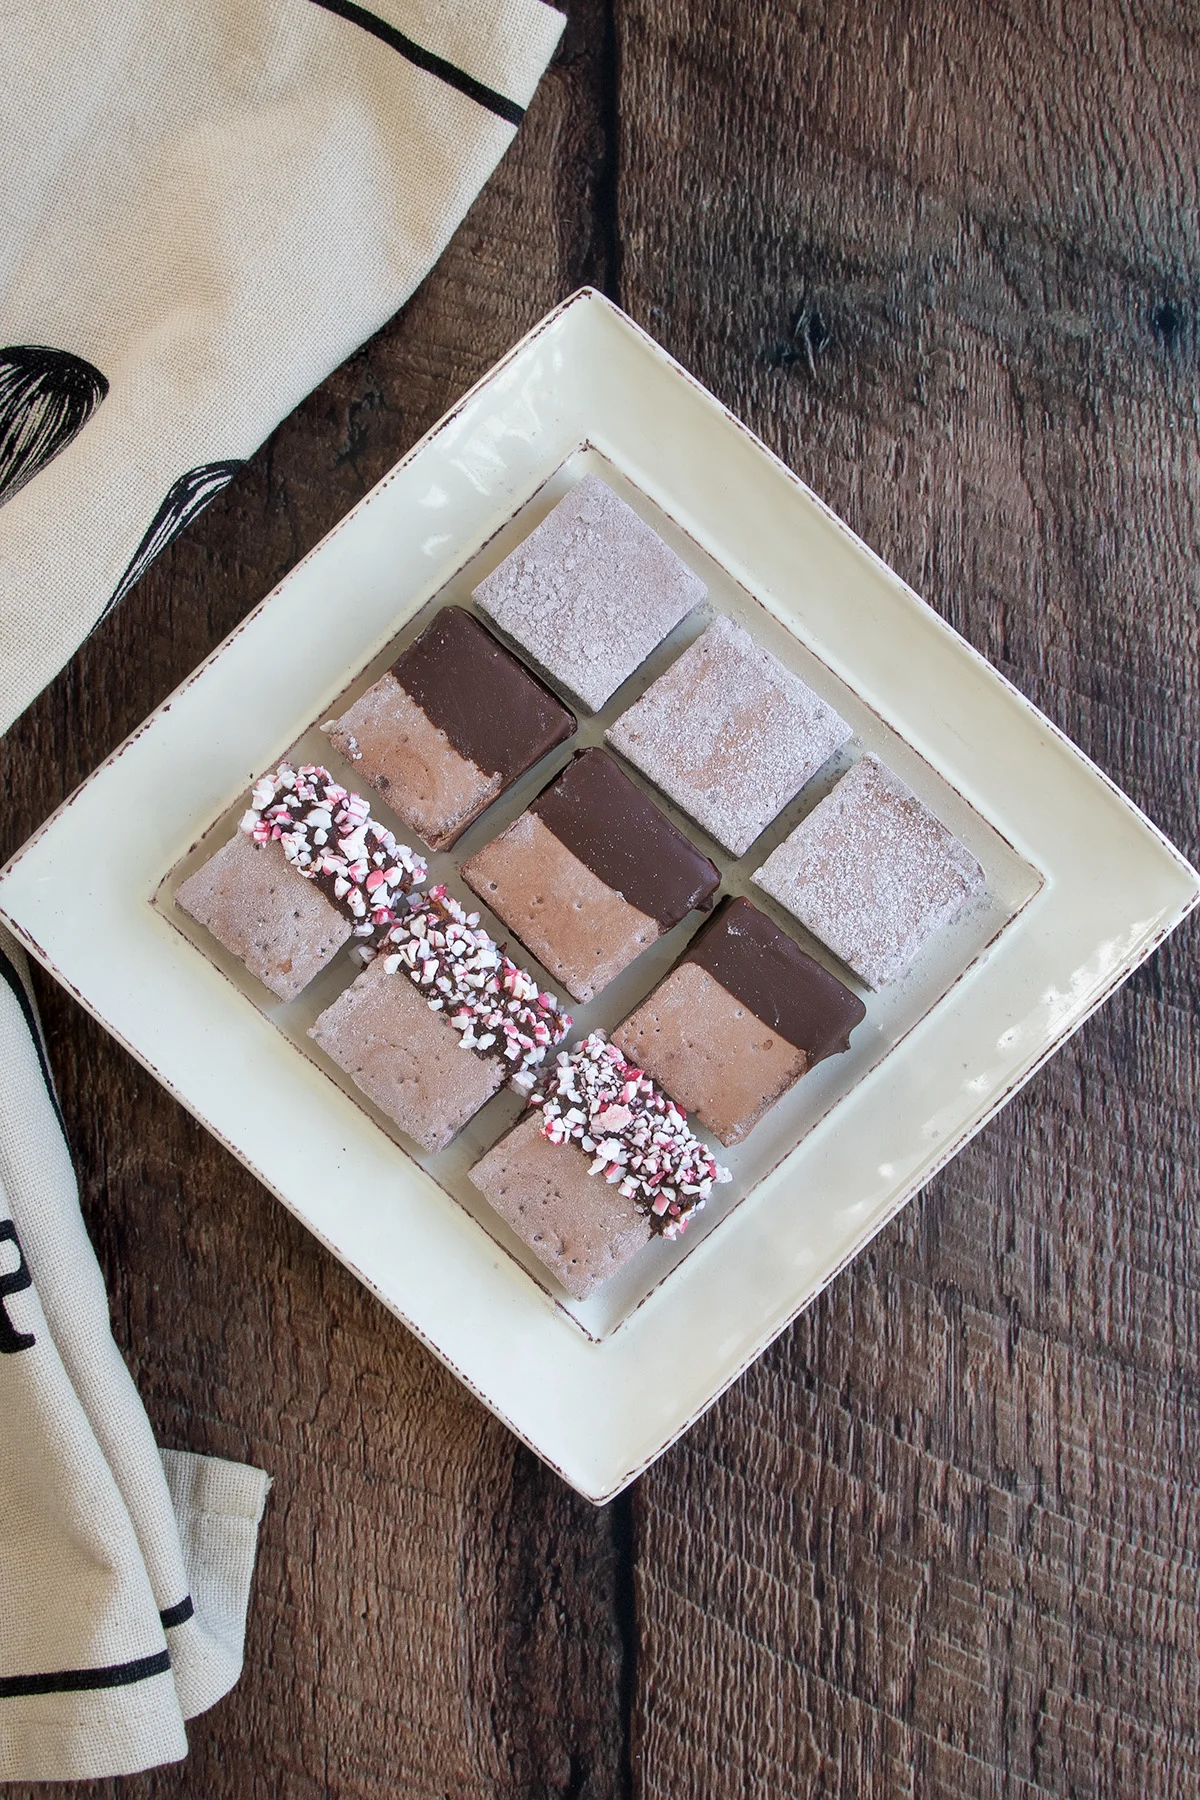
497,1007
329,836
639,1139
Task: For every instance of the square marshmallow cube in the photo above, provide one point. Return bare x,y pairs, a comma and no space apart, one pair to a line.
591,592
730,734
872,873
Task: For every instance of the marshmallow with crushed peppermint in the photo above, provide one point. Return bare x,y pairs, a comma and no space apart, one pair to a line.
308,869
482,993
439,986
604,1163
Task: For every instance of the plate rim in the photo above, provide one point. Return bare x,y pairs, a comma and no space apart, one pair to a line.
594,1487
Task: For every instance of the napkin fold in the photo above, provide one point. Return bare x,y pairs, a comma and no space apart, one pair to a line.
124,1572
204,210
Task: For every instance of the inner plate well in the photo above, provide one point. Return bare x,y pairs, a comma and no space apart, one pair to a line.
1012,882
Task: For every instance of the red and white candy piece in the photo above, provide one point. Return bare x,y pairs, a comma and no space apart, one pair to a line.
639,1140
328,835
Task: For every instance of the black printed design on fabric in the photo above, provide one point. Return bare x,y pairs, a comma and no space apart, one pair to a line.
185,501
82,1681
13,1281
46,398
421,58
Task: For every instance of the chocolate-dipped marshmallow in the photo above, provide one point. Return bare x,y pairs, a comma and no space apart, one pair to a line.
738,1021
308,868
607,1162
591,874
450,727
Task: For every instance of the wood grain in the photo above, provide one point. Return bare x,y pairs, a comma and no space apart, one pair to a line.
943,1540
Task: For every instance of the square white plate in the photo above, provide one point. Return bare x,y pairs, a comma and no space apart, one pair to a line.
1081,887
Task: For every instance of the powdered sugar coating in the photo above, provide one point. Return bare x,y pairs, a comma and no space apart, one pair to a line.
638,1138
496,1007
872,873
591,592
730,734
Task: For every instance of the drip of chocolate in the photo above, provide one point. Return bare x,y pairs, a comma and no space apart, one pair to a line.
604,819
763,968
495,713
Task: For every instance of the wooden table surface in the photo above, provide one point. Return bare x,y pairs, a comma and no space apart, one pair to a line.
944,1539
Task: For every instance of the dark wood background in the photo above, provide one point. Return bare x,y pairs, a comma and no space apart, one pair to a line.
944,1539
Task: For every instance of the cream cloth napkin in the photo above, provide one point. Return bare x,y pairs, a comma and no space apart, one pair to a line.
203,210
124,1574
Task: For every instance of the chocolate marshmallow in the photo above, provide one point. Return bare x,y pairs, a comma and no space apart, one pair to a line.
872,873
253,901
591,875
438,1021
581,1229
405,1058
591,592
450,726
308,869
730,734
738,1021
607,1162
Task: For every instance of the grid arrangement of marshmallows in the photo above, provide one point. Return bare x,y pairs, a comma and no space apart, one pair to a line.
440,1016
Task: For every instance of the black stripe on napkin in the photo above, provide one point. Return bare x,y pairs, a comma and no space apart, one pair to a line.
500,104
78,1681
9,974
178,1615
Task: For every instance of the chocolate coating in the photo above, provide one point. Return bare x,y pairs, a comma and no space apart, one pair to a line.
606,821
494,711
763,968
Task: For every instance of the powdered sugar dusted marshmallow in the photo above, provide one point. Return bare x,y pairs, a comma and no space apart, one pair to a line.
591,592
872,873
730,734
